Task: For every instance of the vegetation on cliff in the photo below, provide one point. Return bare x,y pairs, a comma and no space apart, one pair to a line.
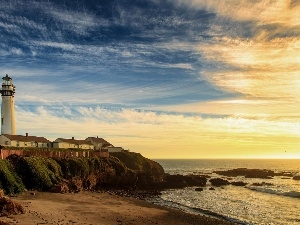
123,170
10,182
148,170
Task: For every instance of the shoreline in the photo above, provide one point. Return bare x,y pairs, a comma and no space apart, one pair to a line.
99,208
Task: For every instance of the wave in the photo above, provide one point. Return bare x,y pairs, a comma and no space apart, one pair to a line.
292,194
194,210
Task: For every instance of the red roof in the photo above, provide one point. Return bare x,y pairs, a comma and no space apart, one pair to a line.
26,138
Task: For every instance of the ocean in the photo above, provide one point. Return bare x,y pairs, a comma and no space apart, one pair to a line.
276,203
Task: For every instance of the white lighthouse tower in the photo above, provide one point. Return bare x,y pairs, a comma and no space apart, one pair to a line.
8,121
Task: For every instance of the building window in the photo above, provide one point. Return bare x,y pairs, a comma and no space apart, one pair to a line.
2,121
6,143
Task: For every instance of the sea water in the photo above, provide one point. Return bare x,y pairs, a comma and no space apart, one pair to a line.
277,203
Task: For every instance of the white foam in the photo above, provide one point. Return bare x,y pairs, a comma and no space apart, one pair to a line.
293,194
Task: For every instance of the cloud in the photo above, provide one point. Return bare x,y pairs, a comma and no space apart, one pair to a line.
265,11
176,74
74,21
266,109
17,24
16,51
258,69
127,127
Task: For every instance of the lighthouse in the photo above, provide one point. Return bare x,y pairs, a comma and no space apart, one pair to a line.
8,122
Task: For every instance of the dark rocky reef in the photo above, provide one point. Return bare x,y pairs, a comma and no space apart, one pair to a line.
199,189
297,177
181,181
218,182
238,183
262,184
253,173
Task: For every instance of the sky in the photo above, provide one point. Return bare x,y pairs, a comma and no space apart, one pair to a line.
166,78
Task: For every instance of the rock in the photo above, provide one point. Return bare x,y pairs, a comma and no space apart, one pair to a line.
75,184
181,181
61,187
199,189
174,181
262,176
253,173
90,182
8,207
136,162
238,183
217,182
284,174
297,177
262,184
195,180
1,193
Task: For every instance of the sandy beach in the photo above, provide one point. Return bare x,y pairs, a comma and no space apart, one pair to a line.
97,208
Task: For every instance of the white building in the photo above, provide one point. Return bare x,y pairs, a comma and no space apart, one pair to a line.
72,144
8,121
99,143
23,141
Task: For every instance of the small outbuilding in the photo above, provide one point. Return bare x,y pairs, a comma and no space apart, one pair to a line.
113,149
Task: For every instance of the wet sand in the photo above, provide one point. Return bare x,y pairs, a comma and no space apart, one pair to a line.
98,208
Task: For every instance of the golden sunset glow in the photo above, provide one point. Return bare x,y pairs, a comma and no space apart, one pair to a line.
169,79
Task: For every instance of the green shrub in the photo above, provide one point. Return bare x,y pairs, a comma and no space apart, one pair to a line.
74,167
95,165
54,170
40,175
134,161
9,180
28,149
37,172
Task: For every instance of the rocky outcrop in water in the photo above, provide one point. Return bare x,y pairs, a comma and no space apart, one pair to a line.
181,181
217,182
253,173
262,184
199,189
238,183
297,177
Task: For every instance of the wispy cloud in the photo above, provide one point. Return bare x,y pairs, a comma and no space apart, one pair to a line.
74,21
265,11
258,68
127,128
182,74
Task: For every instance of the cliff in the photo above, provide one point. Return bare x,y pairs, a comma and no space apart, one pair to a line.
123,170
